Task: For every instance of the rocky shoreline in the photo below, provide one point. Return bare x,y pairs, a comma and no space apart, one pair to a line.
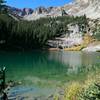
16,91
91,48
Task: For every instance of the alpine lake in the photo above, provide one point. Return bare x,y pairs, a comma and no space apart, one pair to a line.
41,72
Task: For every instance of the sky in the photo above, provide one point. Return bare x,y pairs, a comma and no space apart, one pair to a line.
36,3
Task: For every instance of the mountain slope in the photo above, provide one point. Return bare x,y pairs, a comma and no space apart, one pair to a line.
91,8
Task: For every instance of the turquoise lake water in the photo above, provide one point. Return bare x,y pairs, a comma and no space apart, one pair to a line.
41,69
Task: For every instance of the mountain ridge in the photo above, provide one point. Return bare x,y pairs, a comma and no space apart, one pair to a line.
90,8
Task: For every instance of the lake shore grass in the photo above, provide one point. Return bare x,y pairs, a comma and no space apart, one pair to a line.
88,89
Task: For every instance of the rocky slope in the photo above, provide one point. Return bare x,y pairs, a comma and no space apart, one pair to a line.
93,47
91,8
17,12
44,12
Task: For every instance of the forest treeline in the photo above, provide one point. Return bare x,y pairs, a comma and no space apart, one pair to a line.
34,34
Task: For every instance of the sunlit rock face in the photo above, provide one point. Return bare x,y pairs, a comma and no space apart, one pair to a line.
91,8
86,1
82,1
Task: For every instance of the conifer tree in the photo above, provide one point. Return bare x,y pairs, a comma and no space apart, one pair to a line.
1,4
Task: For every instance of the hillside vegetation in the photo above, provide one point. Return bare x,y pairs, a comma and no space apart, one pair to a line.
34,34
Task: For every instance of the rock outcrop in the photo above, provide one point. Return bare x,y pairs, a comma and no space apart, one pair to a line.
91,8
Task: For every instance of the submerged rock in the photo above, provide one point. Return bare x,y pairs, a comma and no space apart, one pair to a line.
13,83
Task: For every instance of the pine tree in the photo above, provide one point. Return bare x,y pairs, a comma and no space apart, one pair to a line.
1,1
1,4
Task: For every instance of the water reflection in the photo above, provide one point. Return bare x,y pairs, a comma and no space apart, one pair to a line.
34,64
75,60
47,65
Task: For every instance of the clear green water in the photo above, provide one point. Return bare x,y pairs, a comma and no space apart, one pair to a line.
48,69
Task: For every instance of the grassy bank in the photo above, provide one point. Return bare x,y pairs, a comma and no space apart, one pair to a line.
88,89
